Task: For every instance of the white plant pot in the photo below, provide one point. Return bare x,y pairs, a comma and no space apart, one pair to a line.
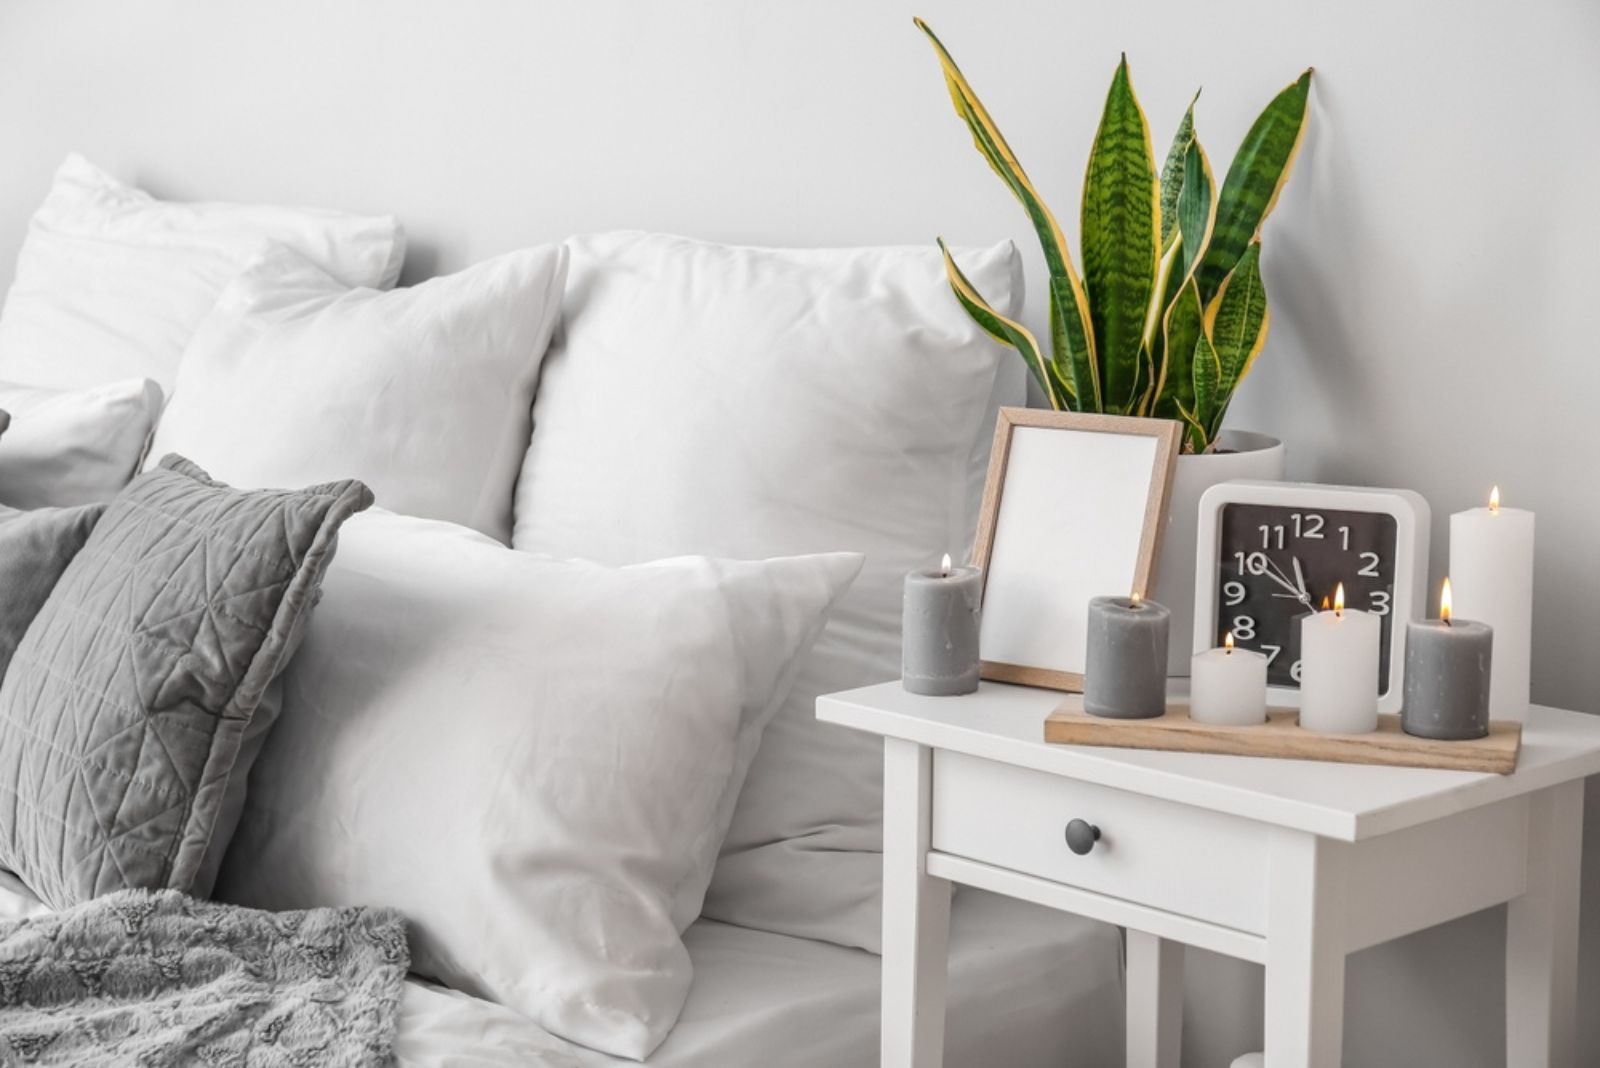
1242,455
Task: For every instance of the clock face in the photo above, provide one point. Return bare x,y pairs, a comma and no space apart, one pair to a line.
1278,563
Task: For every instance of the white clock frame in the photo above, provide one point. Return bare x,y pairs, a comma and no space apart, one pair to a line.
1412,518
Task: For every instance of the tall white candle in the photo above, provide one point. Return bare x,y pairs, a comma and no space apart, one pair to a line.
1491,569
1228,686
1339,670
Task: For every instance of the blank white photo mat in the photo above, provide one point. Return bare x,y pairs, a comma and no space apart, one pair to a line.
1070,524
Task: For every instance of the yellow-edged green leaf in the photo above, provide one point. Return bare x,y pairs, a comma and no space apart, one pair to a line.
1195,440
1197,204
1071,336
1236,319
1254,180
1071,344
1171,262
1181,329
1121,240
1207,408
1172,175
1004,330
1148,382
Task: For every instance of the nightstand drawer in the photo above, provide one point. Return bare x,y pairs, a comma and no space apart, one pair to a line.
1207,865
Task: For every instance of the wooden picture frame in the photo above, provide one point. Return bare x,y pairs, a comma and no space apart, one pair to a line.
1074,507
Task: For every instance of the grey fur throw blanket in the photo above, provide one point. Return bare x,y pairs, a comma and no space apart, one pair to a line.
150,980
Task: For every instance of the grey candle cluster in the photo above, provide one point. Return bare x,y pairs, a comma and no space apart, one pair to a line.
939,636
1126,669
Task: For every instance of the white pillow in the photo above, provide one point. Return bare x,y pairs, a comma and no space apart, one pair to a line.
528,757
754,402
422,393
70,447
111,282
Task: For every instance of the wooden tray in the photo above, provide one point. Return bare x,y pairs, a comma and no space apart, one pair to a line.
1282,737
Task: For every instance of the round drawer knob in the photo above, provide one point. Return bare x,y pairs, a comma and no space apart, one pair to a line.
1081,836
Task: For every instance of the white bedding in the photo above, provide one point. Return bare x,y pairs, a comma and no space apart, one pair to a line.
1029,988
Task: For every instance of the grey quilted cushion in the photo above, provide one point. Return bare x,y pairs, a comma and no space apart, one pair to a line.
123,709
35,548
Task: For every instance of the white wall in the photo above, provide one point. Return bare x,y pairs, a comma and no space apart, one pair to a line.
1432,266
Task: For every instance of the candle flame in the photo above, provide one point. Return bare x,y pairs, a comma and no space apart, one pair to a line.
1324,602
1445,601
1227,643
944,565
1338,599
1494,499
1136,597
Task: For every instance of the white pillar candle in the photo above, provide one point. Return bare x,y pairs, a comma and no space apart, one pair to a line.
1228,686
1491,569
1339,670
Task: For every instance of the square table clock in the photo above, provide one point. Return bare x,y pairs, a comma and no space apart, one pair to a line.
1271,553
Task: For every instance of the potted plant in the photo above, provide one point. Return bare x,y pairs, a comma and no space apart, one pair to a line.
1169,313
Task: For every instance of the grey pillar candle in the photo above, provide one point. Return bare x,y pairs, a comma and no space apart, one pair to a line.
939,634
1125,674
1448,665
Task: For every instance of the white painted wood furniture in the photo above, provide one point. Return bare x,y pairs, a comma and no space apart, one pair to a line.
1289,864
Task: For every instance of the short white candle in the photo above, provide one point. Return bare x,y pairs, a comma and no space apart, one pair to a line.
1491,568
1228,686
1339,670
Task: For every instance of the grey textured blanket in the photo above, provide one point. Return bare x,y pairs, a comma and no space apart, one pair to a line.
156,979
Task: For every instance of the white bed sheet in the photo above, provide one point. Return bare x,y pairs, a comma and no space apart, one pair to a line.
1029,988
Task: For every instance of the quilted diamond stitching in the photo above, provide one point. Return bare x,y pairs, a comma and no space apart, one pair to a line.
125,700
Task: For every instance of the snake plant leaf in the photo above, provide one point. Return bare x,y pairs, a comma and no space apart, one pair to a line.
1184,323
1237,319
1004,330
1172,175
1171,264
1208,395
1070,330
1072,344
1197,205
1255,178
1196,432
1121,239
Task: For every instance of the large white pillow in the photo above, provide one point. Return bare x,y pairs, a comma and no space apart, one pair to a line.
70,447
422,393
531,758
111,282
753,402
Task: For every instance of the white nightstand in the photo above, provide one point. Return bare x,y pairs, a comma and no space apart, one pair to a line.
1287,863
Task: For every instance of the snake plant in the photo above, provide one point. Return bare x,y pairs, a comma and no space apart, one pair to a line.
1169,312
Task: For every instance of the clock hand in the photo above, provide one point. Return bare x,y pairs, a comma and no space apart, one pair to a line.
1300,577
1275,573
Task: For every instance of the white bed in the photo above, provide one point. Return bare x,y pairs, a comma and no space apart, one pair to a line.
1028,988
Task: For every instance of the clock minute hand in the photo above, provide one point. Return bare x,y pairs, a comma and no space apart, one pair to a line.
1275,573
1300,579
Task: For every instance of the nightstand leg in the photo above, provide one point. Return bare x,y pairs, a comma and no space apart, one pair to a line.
916,914
1155,1000
1542,934
1305,952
